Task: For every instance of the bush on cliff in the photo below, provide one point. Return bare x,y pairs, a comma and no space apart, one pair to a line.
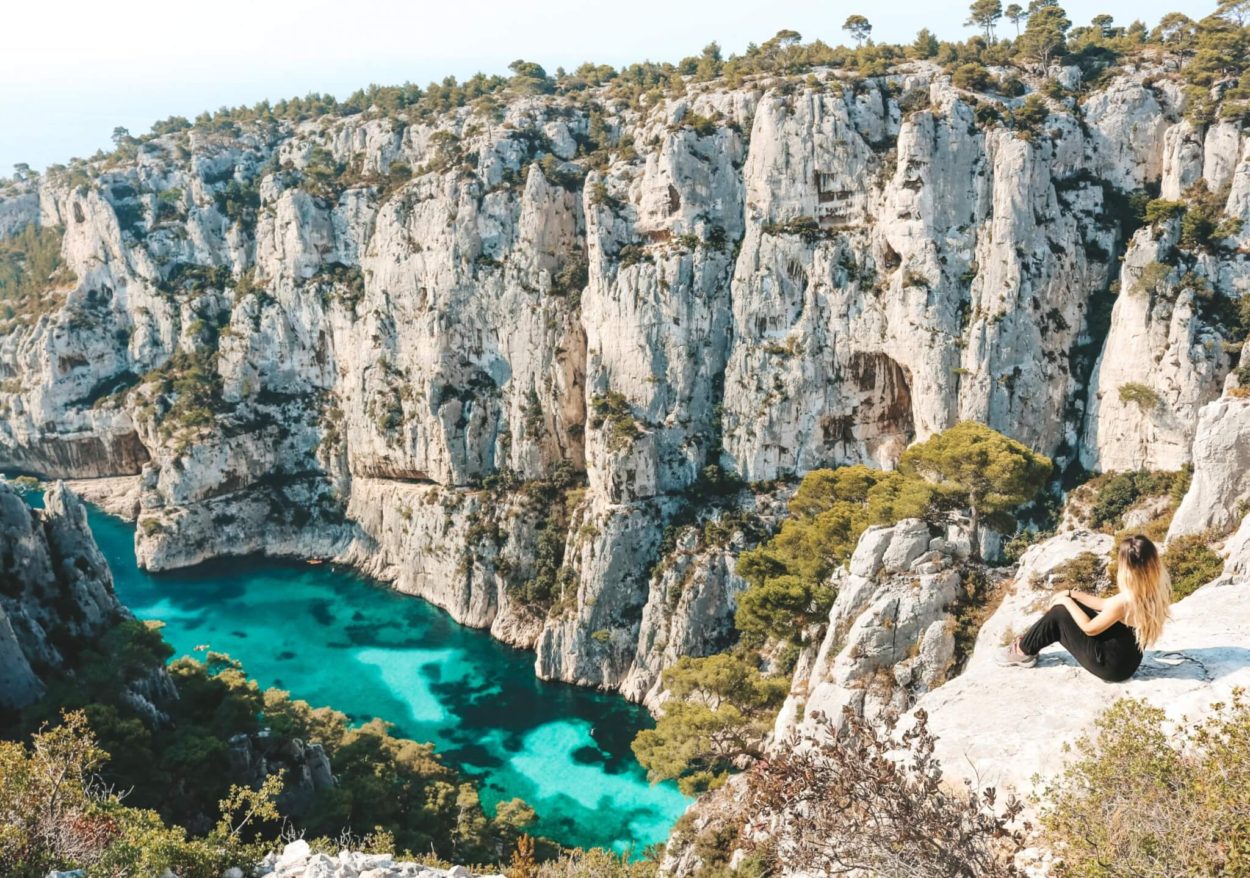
868,802
30,266
55,813
1191,562
828,513
1146,798
720,713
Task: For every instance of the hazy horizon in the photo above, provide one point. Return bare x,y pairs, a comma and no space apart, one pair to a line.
61,98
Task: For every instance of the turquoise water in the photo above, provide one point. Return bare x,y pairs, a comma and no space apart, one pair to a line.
334,638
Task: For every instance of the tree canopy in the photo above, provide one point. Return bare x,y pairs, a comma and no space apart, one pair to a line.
979,468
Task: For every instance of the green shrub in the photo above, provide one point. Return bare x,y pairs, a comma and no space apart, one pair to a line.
595,863
1192,563
1031,115
1152,279
1085,572
828,513
30,267
972,77
1115,493
702,125
1139,395
1143,799
721,711
322,175
611,412
55,815
180,771
1160,210
968,465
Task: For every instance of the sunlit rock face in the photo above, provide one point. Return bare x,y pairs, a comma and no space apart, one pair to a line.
369,338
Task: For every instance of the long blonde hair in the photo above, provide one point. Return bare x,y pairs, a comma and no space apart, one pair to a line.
1141,575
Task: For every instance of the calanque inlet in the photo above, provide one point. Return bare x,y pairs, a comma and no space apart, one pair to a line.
635,472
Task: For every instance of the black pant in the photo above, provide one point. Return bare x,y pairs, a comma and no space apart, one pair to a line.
1112,655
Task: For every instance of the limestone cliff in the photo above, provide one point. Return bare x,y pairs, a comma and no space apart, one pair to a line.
490,354
56,591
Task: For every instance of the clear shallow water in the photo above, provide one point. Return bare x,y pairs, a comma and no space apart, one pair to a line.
334,638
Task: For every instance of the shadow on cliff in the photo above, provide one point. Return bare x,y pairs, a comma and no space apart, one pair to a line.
1204,663
1208,663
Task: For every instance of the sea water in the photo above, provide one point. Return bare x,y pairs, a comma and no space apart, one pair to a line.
334,638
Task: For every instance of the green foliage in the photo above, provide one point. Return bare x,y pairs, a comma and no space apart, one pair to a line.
1139,395
530,78
30,268
572,277
1086,572
1044,37
878,800
968,466
828,513
1031,115
1160,210
611,412
1191,562
447,153
972,76
1115,493
807,228
182,772
1204,223
187,389
702,125
55,815
595,863
985,14
1152,279
980,469
239,202
552,502
721,711
858,27
1141,799
322,175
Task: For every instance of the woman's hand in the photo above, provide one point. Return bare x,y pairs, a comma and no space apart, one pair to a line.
1059,599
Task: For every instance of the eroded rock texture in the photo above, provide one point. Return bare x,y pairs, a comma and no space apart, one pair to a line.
498,380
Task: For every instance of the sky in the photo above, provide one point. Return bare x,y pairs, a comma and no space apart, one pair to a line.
72,70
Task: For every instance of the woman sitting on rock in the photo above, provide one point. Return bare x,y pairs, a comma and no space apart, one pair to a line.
1105,635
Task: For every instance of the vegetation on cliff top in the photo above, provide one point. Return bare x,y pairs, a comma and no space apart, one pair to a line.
1214,54
1147,798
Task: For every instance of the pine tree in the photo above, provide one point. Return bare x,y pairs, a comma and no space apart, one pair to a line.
1044,36
984,14
859,28
978,468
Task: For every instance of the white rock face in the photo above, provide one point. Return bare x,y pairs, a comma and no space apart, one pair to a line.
1157,341
54,586
374,370
298,861
1237,556
1221,484
890,635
